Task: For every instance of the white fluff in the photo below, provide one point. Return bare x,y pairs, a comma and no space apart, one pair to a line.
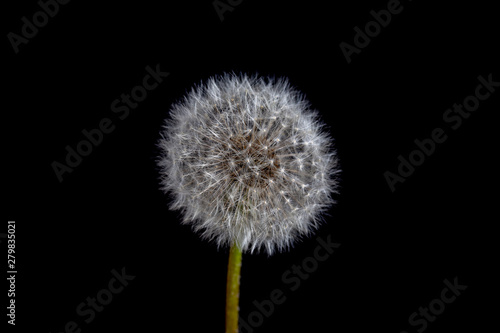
246,161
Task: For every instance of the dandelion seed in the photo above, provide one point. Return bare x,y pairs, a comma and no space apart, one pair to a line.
231,146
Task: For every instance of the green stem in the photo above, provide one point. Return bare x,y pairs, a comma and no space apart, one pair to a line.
233,289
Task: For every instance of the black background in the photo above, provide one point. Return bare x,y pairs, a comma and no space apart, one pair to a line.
396,248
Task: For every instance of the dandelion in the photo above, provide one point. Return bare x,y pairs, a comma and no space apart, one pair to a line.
249,165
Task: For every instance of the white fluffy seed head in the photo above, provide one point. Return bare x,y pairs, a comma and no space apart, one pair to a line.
247,162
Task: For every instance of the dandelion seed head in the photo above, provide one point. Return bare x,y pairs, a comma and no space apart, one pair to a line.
248,162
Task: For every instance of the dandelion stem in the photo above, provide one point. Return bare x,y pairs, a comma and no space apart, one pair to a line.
233,289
